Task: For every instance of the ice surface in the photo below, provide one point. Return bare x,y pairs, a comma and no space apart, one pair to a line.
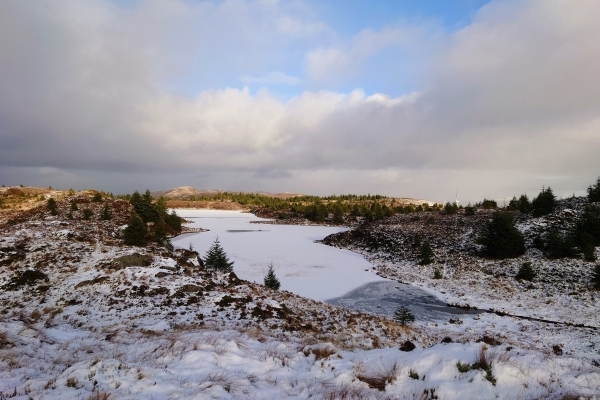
309,269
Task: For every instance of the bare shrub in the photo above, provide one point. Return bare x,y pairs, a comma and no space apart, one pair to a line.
320,352
4,342
98,395
220,378
482,360
35,315
384,374
72,382
499,356
343,391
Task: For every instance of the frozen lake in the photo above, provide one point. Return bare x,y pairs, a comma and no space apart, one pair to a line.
306,268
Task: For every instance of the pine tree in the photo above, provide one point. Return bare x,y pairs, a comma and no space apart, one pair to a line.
271,280
143,206
161,207
52,206
97,197
526,272
501,238
513,204
404,316
87,214
596,277
338,215
594,192
524,204
587,231
426,254
217,259
136,231
470,210
544,203
74,206
173,221
106,213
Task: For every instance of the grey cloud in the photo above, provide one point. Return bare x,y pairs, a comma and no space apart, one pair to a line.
513,97
272,174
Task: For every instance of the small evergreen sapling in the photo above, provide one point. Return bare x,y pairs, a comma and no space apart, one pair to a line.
526,272
594,192
87,214
52,206
426,254
404,316
217,259
544,203
437,274
97,198
596,277
74,206
106,213
271,280
136,231
501,238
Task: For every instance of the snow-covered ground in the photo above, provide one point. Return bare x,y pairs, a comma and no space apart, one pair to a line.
306,268
108,321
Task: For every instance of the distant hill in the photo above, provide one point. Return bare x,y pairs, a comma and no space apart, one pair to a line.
186,192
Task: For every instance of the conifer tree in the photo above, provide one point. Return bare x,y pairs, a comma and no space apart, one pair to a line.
544,203
271,280
74,206
526,272
594,192
143,206
501,238
52,206
87,214
174,221
426,254
217,259
587,231
106,213
596,277
513,204
404,316
524,204
97,197
136,231
338,215
469,210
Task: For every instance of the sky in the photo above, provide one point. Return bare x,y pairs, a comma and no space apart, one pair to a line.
402,98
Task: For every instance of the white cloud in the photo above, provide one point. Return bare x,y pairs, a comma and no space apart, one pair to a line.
513,97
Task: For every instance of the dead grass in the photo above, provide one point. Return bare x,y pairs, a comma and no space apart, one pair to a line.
320,352
98,395
344,391
4,342
381,376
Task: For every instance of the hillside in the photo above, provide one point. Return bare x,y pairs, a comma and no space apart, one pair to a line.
188,192
86,316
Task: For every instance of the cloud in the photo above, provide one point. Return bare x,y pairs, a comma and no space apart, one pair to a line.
272,78
507,103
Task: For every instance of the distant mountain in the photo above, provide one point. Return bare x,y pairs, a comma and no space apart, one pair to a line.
186,192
